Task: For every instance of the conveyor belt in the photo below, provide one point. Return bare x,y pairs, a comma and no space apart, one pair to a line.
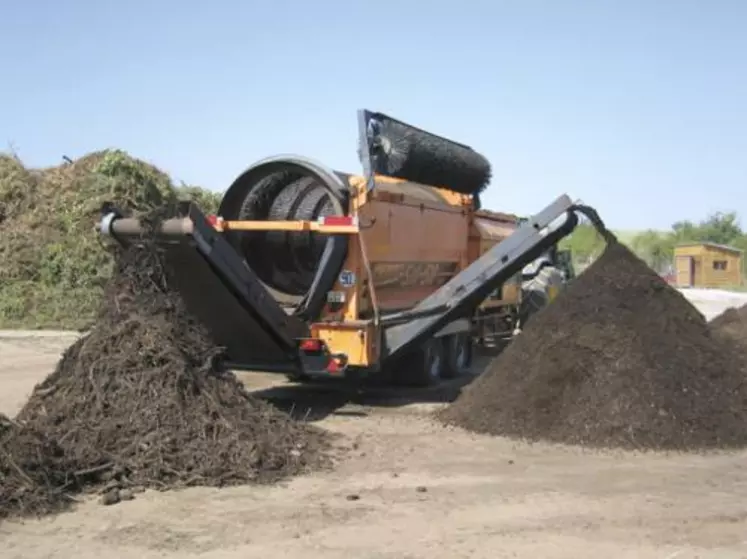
221,291
466,290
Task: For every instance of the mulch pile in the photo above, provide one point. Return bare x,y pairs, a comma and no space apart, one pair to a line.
53,268
620,359
141,402
35,473
732,323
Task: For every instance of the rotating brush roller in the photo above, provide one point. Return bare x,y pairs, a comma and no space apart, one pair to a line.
400,150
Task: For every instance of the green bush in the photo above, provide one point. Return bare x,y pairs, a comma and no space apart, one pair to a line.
52,263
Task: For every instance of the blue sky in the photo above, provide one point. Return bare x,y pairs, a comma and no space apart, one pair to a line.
637,107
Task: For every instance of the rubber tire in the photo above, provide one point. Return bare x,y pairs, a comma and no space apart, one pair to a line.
458,352
423,367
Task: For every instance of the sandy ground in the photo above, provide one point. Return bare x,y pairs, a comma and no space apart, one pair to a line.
408,488
712,302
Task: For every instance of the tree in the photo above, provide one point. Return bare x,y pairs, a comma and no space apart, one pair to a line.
657,248
584,243
721,228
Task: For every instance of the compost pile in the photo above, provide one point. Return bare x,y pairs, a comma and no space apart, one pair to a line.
732,324
54,269
34,471
620,359
141,402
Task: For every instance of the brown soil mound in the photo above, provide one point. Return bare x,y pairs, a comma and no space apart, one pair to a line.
618,360
732,323
34,472
141,401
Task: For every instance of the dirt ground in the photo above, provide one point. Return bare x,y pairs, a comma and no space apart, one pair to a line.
408,488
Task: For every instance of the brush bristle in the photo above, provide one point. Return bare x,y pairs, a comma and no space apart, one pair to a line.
411,154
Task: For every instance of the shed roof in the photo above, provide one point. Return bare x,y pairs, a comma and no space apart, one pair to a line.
716,246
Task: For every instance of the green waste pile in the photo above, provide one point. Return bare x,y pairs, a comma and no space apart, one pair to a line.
53,265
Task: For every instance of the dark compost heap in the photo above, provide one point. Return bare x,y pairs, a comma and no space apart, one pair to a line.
732,323
619,360
34,472
140,401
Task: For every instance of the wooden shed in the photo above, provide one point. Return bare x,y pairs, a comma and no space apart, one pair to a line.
707,265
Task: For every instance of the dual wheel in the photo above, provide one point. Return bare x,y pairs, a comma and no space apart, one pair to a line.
435,360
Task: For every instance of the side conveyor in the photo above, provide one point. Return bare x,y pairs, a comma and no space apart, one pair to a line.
220,290
458,297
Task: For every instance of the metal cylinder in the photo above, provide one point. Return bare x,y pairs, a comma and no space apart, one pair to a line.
288,188
126,227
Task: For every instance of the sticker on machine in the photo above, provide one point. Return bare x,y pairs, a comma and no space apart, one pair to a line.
336,297
347,278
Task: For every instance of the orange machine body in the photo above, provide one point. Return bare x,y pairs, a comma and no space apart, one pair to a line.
409,241
488,229
412,240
